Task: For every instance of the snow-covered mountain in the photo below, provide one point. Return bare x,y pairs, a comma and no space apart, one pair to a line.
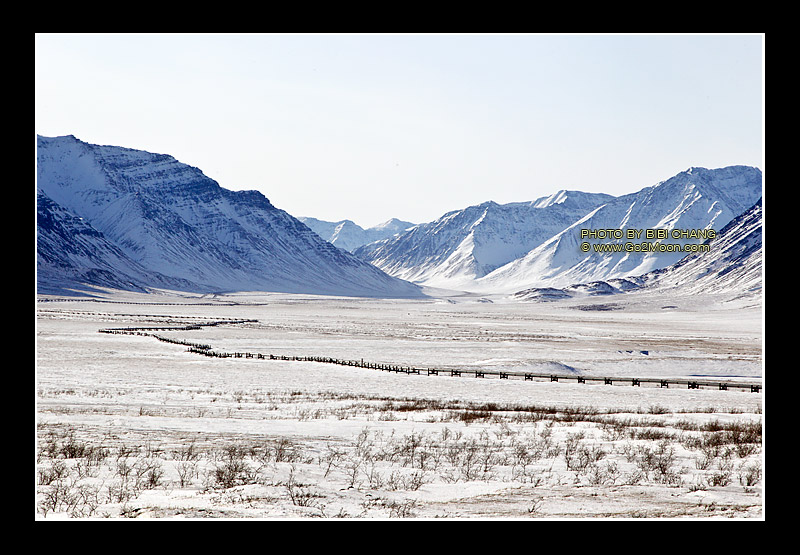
732,266
114,215
464,245
348,235
696,199
71,252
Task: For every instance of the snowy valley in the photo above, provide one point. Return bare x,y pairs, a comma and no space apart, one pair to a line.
146,267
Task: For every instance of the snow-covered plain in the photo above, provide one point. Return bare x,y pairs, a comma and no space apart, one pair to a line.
129,426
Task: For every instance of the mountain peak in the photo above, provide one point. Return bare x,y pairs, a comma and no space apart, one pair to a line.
57,138
537,244
464,245
349,236
394,223
556,198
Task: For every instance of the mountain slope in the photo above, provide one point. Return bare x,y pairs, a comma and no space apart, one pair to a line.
464,245
348,235
695,199
732,267
172,220
70,252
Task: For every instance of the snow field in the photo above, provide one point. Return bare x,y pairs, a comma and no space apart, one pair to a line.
130,426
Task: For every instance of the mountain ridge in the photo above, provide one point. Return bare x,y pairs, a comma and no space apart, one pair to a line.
116,216
697,198
445,253
464,245
174,221
348,235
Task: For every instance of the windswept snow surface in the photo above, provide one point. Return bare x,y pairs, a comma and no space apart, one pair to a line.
201,437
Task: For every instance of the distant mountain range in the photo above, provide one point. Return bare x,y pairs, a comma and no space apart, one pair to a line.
115,217
508,248
118,217
465,245
348,235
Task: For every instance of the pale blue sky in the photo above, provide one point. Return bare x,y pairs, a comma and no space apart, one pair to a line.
373,126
